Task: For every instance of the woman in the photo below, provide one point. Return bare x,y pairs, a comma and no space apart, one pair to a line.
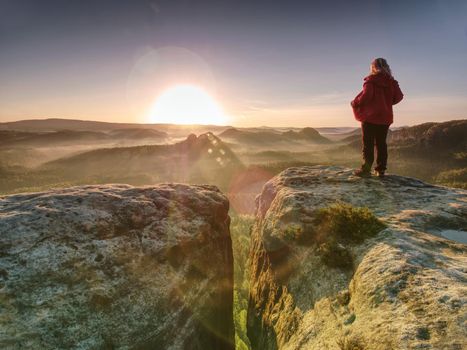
373,108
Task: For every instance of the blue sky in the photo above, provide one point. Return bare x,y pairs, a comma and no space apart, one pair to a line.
277,63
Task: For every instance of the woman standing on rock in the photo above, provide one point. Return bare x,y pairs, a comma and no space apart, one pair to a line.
373,108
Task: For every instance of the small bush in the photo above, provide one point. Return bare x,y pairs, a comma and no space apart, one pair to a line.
346,223
340,224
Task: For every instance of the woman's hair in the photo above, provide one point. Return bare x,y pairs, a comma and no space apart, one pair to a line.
380,65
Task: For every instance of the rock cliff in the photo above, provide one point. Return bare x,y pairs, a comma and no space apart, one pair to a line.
402,287
116,267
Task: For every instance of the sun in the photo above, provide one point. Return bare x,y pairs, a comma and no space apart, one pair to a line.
187,104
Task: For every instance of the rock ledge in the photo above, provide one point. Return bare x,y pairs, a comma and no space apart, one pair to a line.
116,266
407,287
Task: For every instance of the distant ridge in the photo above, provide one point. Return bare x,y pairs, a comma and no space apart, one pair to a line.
250,137
307,134
13,138
55,124
30,138
426,137
273,137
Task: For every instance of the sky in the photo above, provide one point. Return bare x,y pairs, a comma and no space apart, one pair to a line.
266,63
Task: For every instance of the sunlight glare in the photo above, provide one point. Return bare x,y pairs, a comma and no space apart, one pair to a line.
187,104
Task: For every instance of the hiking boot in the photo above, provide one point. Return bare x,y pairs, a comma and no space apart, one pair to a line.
379,173
362,173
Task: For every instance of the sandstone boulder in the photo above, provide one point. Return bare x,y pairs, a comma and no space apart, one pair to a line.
116,267
404,288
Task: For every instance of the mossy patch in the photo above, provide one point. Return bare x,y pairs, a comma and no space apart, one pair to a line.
302,234
333,229
293,232
339,225
346,223
334,254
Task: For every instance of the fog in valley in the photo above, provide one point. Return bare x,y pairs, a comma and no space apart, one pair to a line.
237,160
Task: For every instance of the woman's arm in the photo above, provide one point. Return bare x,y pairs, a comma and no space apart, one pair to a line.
365,96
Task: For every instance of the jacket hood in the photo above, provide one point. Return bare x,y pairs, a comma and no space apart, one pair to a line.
380,79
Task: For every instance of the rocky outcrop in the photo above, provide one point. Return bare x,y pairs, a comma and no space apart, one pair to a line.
405,287
116,267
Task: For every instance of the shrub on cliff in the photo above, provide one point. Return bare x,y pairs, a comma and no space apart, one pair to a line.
340,224
333,229
344,222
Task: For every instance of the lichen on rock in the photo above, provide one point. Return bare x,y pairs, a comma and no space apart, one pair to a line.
319,280
116,266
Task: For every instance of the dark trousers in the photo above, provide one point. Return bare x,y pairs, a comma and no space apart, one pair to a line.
374,135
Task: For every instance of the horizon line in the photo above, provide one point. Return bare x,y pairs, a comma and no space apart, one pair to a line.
203,125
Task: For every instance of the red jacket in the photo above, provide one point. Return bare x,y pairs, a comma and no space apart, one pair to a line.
374,103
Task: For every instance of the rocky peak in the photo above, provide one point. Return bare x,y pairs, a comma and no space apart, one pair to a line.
402,287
